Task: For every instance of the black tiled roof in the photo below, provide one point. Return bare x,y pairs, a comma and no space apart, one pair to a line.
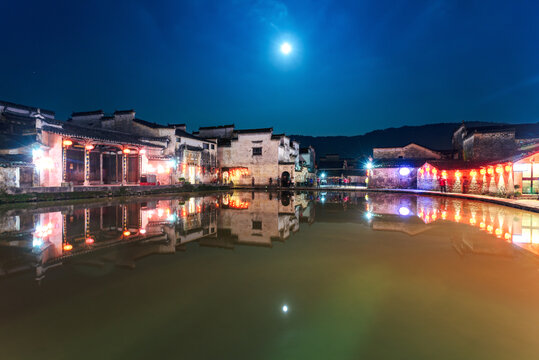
215,127
522,131
86,113
150,124
181,133
15,159
30,108
250,131
123,112
98,134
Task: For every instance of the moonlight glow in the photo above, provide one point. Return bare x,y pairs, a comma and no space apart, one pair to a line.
286,48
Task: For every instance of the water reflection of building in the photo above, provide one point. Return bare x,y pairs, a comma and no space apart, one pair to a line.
257,218
510,226
54,237
121,234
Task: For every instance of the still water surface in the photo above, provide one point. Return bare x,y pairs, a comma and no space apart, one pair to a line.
270,276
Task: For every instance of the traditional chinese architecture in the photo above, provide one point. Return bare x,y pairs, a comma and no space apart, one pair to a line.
396,167
253,156
305,169
495,141
467,177
185,157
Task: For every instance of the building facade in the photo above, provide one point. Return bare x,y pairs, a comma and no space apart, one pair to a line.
186,158
253,156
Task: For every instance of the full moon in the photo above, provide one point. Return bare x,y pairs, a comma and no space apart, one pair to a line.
286,48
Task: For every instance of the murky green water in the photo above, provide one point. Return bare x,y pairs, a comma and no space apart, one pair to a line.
271,276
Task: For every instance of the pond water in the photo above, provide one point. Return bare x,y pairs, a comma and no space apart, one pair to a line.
270,276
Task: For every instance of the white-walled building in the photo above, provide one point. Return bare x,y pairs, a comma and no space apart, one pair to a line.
253,156
185,158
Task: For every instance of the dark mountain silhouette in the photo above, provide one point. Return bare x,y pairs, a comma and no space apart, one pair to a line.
434,136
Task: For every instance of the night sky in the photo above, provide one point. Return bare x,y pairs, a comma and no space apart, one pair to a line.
356,65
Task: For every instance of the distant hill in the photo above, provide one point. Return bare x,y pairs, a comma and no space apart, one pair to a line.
434,136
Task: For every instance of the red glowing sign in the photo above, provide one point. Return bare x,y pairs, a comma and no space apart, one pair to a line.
238,204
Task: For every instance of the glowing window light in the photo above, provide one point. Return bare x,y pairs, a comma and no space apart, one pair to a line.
404,171
67,142
89,147
89,241
68,247
482,171
404,211
508,168
490,171
127,233
499,169
126,151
